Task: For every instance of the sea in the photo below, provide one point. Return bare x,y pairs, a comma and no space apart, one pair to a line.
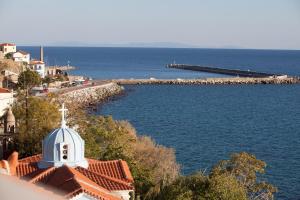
203,123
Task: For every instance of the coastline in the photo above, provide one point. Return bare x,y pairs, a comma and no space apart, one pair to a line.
90,95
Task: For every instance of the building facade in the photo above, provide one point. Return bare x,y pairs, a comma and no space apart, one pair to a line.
39,67
8,48
6,100
21,56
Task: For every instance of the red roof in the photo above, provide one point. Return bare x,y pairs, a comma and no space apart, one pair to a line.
33,62
4,90
98,180
7,44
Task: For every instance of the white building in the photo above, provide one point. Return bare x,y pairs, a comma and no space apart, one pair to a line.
6,100
8,48
38,66
21,56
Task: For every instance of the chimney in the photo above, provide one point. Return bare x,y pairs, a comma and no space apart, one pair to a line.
42,54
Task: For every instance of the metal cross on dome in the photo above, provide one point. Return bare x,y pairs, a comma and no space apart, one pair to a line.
63,114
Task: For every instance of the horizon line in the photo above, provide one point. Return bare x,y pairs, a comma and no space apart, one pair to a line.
157,47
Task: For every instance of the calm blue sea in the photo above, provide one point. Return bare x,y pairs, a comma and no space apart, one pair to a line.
204,124
107,63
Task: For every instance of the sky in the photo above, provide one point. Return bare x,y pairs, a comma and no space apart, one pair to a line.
256,24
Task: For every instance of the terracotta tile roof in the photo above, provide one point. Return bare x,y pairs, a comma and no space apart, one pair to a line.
105,181
70,181
7,44
4,90
25,169
98,180
35,158
33,62
117,169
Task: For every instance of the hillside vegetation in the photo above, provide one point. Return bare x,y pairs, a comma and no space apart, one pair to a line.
8,64
154,168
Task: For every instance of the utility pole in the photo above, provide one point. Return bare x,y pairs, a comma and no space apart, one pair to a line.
26,108
26,101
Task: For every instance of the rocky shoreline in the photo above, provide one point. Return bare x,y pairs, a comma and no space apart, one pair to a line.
83,97
210,81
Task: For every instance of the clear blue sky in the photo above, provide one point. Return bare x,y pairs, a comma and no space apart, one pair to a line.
270,24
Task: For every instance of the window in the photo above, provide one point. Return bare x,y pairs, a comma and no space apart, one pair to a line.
64,151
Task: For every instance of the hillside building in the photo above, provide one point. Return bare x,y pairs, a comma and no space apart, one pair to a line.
21,56
38,66
8,48
6,100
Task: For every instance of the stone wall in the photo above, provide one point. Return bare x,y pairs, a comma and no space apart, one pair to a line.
211,81
90,95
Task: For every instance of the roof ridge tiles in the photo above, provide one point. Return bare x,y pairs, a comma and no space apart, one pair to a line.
42,175
87,184
107,177
126,171
121,164
95,191
79,177
31,159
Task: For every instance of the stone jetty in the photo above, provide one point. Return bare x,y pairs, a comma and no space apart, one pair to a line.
210,81
216,70
101,90
84,96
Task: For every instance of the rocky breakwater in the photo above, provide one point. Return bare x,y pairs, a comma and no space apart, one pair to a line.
211,81
84,96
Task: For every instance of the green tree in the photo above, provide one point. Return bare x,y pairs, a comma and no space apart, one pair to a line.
202,187
185,188
225,187
43,116
245,167
9,56
28,79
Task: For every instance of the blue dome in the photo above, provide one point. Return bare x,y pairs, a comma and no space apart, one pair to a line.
63,146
